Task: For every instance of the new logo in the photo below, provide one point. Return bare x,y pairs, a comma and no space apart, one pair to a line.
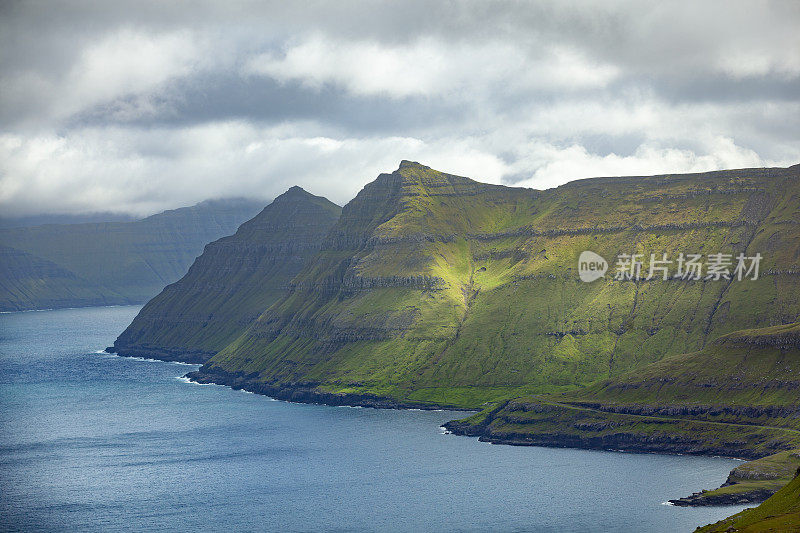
591,266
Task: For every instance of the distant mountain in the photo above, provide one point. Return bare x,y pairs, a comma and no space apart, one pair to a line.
111,262
41,220
29,282
232,282
438,290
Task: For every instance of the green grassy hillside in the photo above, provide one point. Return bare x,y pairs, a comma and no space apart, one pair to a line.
119,262
750,376
436,289
736,397
232,282
779,514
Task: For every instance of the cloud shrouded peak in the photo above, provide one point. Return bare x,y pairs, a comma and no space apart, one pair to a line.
136,110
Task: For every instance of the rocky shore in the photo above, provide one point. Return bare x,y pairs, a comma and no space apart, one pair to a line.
163,354
704,499
305,392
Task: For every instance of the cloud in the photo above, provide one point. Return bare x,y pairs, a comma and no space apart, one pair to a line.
138,108
428,67
143,171
126,64
552,163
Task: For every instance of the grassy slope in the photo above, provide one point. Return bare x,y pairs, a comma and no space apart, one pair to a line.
130,262
435,288
738,396
750,376
232,282
780,513
760,476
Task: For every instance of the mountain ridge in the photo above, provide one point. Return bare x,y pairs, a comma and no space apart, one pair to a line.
119,263
424,263
231,282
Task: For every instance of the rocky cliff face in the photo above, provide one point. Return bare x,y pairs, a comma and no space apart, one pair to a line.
124,262
232,282
436,288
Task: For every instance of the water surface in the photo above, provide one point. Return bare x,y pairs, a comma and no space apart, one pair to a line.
91,441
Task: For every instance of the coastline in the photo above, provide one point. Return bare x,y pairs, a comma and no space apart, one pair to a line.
298,393
307,393
193,358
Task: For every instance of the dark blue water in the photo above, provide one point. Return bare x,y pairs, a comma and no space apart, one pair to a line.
97,442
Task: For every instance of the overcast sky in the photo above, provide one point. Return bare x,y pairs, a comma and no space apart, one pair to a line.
137,107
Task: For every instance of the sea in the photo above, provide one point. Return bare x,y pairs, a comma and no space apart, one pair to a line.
96,442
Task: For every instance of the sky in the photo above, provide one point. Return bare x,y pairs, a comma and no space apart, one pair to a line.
137,107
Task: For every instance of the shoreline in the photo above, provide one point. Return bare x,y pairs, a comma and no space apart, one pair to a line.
307,394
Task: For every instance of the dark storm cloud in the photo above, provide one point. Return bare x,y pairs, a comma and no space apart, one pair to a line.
140,106
225,96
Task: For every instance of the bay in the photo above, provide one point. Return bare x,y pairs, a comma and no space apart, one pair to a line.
95,442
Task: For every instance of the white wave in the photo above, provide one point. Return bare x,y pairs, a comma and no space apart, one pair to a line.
668,503
184,379
145,359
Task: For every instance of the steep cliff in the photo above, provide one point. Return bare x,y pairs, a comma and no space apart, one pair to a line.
125,262
232,282
434,289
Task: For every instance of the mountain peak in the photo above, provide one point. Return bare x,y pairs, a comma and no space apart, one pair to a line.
295,190
405,163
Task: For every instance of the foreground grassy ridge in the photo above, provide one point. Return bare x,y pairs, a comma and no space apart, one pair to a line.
232,282
435,288
780,513
760,476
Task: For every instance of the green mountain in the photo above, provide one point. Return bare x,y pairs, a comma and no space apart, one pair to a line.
232,282
112,262
779,514
436,290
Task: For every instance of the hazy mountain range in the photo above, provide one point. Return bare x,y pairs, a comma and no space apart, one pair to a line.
109,263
